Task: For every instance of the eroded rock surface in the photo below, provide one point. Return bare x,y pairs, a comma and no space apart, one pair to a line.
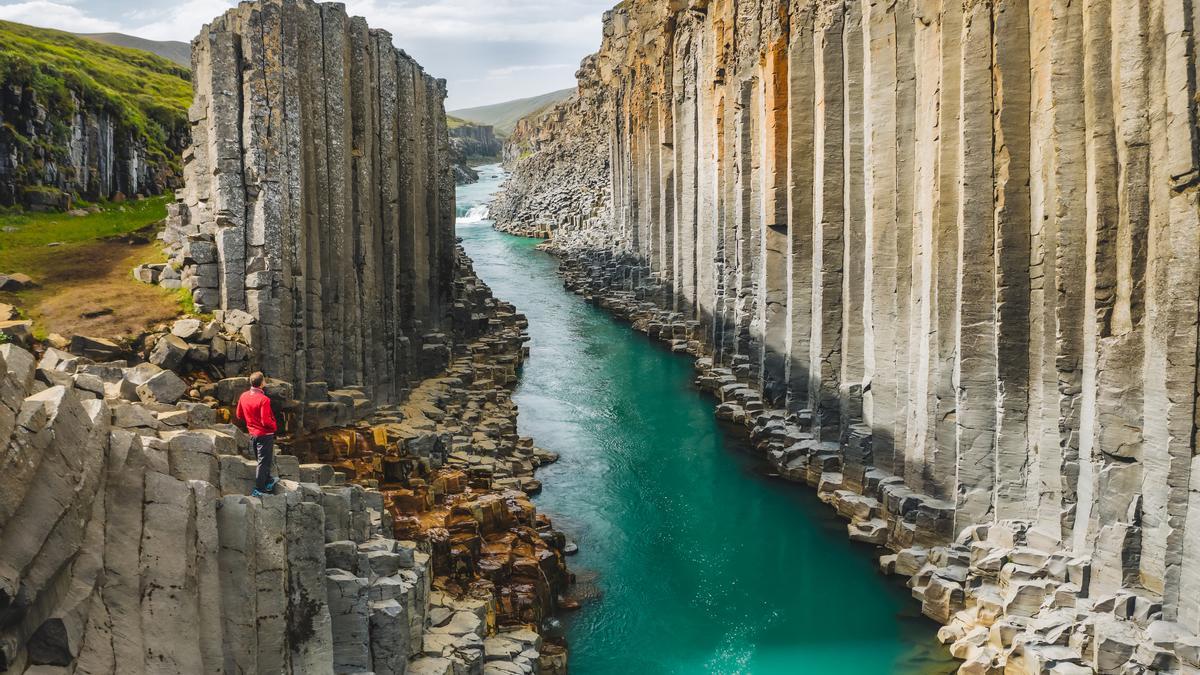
128,542
318,225
319,196
942,257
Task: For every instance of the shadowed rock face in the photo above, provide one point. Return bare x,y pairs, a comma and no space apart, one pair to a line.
958,242
319,169
91,153
471,143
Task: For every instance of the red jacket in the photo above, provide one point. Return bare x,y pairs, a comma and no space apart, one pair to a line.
254,408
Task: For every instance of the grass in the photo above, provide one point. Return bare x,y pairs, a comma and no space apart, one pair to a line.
146,94
24,238
84,284
504,116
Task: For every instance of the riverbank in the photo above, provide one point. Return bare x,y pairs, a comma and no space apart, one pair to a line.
454,476
997,589
692,556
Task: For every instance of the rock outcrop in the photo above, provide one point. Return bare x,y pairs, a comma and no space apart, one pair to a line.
128,544
319,196
92,153
318,227
943,257
82,120
472,144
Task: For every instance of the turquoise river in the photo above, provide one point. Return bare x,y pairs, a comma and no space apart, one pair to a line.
700,562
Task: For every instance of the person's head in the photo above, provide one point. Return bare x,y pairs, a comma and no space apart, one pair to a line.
257,379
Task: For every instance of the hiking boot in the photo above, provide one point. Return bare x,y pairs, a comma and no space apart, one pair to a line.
256,493
271,485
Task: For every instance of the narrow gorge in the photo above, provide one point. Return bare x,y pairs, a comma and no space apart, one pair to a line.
826,336
941,259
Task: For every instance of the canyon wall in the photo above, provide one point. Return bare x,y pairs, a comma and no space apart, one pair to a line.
318,224
958,244
472,144
80,119
319,196
53,151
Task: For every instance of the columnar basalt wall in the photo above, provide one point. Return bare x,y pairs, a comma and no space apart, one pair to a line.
320,198
957,242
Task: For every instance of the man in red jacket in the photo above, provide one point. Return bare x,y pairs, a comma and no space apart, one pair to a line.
254,408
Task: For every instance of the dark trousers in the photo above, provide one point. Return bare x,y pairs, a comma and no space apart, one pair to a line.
263,447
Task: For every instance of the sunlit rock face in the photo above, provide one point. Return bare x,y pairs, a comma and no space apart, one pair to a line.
317,221
319,168
959,242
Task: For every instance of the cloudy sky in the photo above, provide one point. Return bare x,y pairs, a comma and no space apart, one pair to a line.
489,50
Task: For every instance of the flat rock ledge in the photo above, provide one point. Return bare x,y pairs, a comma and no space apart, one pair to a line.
128,542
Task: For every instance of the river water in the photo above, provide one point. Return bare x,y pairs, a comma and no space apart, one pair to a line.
700,562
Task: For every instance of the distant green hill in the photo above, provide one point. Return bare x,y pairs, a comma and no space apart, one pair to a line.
504,116
171,50
58,87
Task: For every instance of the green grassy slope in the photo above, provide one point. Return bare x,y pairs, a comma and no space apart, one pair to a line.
147,92
504,116
179,53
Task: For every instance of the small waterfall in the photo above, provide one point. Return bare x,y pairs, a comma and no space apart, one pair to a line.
476,214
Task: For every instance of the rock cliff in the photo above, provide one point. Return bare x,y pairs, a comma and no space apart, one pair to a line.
83,120
942,258
472,144
319,196
128,543
317,225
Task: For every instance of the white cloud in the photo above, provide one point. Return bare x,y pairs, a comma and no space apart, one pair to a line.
490,50
482,20
509,71
59,15
181,22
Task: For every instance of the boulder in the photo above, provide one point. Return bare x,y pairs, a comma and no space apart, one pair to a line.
236,319
165,387
15,282
230,388
89,382
57,359
169,352
97,348
187,329
18,332
132,416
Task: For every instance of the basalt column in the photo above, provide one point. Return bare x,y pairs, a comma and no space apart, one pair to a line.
956,245
320,198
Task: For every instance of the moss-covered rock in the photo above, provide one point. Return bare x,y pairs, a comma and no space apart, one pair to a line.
82,119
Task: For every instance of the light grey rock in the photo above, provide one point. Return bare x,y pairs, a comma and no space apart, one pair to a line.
187,329
389,636
349,612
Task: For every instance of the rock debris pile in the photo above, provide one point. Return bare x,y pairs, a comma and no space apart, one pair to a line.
943,256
